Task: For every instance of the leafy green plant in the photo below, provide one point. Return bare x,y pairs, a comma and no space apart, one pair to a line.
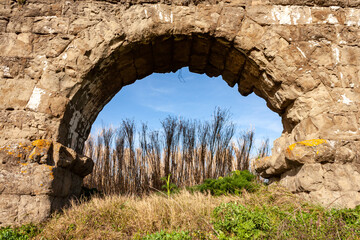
169,186
350,216
314,222
21,233
232,184
233,221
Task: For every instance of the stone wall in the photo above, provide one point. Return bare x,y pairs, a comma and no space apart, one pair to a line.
62,61
322,171
37,179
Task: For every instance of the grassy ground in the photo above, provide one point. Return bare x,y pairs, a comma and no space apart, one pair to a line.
269,213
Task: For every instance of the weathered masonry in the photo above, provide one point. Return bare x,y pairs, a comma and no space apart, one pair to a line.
61,61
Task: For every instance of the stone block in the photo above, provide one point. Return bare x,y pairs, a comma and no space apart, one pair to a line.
182,51
16,45
352,17
9,205
33,208
229,22
341,177
249,35
162,52
20,25
218,54
327,16
81,23
307,178
12,67
205,21
334,199
34,9
143,60
310,151
349,56
51,25
51,46
284,15
349,76
235,61
348,35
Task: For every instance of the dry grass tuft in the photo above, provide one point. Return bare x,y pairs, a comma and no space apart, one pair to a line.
128,217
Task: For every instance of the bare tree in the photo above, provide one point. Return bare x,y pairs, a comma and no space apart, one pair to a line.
169,127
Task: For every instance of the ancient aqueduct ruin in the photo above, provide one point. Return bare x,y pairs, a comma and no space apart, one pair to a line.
61,61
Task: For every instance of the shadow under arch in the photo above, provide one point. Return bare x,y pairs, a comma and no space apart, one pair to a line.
202,53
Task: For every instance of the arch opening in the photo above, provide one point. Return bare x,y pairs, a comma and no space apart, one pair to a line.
140,119
187,96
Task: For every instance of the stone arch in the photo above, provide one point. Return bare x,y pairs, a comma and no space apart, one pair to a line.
162,39
202,53
72,57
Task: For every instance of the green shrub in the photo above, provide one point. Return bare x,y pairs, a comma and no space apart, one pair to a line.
232,184
21,233
233,221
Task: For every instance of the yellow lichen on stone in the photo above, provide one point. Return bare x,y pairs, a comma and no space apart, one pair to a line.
51,171
313,142
308,143
263,159
27,148
24,164
32,155
41,143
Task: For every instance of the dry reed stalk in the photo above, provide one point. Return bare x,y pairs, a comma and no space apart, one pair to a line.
190,151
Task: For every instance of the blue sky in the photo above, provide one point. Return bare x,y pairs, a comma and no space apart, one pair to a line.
191,96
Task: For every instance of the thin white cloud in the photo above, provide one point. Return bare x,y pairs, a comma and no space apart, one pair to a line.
160,90
166,108
269,124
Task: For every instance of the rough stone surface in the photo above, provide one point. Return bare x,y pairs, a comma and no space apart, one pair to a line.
322,171
37,179
62,61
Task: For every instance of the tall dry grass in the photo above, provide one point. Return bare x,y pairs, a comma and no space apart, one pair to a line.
130,217
128,160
